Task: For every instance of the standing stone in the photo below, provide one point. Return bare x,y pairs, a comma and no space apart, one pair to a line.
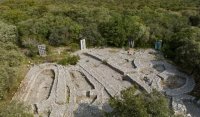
158,45
83,44
42,50
131,43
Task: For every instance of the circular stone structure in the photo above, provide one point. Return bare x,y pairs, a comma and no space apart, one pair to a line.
173,82
159,67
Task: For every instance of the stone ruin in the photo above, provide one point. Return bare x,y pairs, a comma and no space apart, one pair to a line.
83,90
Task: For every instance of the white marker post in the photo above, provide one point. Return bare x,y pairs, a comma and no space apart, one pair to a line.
83,44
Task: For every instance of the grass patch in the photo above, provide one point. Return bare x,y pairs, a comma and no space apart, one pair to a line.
69,60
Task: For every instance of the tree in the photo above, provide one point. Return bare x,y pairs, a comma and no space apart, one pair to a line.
93,36
188,50
3,82
135,29
195,20
8,33
139,105
10,58
59,36
14,16
113,31
58,30
120,28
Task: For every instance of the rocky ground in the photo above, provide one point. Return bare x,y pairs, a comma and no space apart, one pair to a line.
84,90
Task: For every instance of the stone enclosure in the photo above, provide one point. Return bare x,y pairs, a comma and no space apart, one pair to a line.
84,90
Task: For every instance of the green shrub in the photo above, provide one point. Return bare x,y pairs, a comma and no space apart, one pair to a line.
8,33
4,80
31,51
15,109
140,105
74,47
72,60
63,61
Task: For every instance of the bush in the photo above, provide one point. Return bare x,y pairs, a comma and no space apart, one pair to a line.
4,79
59,36
63,61
72,60
140,105
15,109
31,51
8,33
74,47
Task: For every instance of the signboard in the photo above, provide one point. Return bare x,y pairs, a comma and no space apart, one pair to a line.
42,50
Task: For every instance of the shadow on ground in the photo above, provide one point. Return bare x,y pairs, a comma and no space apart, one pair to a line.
192,108
87,110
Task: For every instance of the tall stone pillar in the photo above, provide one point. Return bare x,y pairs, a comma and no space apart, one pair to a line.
83,44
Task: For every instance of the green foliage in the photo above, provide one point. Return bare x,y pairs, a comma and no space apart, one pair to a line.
58,30
185,47
10,55
63,61
71,59
195,20
15,109
59,36
8,33
4,79
93,36
121,28
113,32
14,16
189,47
10,59
106,24
74,47
140,105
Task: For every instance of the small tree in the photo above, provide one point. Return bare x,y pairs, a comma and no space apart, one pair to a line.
74,47
139,105
59,36
8,33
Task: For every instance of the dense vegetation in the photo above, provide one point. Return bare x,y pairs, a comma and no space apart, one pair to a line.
10,59
132,104
15,109
26,23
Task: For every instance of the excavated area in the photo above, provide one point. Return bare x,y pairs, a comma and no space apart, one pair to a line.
84,90
80,80
173,82
42,87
